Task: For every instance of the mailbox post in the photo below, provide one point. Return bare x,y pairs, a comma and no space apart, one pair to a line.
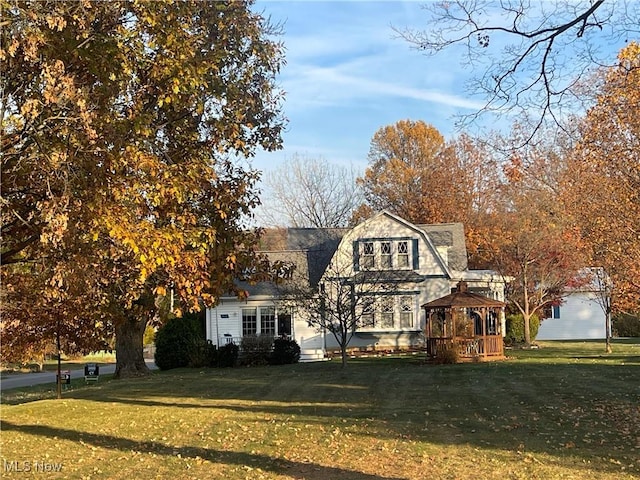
64,378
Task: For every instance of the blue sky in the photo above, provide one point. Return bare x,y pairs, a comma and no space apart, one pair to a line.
348,74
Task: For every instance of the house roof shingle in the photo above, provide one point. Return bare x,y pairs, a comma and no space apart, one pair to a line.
311,250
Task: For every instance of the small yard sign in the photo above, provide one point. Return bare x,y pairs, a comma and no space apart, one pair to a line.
91,372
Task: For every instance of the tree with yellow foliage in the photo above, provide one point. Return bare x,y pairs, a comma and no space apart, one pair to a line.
120,121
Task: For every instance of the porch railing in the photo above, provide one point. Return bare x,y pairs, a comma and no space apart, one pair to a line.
226,339
488,346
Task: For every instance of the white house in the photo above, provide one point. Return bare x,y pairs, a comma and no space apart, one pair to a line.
420,263
580,316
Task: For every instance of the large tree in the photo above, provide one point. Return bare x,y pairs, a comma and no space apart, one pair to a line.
119,122
531,240
404,174
602,184
527,57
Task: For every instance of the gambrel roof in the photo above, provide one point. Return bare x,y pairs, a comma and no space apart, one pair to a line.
311,250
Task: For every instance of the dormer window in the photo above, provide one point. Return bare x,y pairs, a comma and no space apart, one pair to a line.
403,254
385,255
368,255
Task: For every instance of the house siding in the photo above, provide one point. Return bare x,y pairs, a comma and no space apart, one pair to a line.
437,261
581,318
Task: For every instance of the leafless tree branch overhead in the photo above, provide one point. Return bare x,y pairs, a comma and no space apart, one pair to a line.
528,57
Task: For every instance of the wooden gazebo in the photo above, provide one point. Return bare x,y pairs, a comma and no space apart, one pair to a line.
467,322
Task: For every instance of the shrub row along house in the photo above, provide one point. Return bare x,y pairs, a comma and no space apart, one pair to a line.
389,269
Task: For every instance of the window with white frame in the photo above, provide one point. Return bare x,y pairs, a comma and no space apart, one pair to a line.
267,321
367,316
387,312
386,305
249,321
406,311
385,254
368,255
386,260
403,254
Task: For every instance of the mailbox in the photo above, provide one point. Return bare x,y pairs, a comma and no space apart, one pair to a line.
64,378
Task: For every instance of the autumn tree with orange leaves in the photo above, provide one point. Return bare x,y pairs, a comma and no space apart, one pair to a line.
414,173
120,121
602,184
531,241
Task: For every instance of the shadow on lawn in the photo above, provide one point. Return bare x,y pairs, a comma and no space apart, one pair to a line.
546,408
281,466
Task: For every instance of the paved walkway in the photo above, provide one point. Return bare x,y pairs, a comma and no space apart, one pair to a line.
29,379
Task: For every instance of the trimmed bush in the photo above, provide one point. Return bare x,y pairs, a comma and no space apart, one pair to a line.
515,328
625,325
446,356
203,354
256,349
284,352
228,355
179,343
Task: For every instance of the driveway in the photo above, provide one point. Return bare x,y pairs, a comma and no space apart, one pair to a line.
29,379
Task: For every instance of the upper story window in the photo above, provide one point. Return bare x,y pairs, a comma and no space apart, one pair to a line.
386,260
368,255
400,254
403,254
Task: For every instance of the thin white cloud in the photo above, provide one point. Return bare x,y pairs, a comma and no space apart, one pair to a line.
324,87
347,75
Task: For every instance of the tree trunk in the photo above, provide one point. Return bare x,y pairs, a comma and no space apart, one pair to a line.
527,330
608,332
59,375
343,353
129,350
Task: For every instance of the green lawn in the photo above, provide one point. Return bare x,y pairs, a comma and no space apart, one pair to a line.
564,411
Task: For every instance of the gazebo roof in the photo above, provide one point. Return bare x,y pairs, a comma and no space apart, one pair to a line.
463,298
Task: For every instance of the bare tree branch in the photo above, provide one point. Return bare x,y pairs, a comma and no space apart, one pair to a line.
310,192
527,56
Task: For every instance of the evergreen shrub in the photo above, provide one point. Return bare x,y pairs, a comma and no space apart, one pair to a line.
515,328
179,343
626,325
285,352
228,355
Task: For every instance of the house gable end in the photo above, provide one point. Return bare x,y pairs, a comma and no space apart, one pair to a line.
384,227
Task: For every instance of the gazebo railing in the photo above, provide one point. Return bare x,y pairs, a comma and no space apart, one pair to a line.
487,346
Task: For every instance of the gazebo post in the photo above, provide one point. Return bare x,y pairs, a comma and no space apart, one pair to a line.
484,331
